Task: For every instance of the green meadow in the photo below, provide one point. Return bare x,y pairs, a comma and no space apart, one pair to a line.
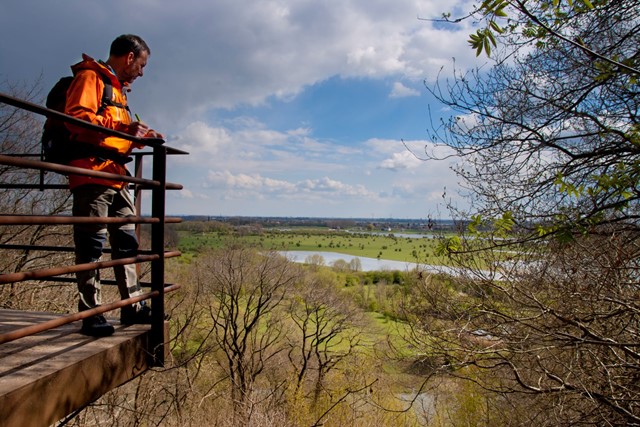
388,247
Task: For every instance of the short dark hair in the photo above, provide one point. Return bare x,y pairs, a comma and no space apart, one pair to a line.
128,43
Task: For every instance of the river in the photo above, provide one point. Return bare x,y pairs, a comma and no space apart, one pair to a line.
368,264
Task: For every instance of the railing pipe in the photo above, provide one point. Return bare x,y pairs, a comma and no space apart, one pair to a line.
103,282
51,248
39,274
72,170
39,109
9,186
70,220
56,271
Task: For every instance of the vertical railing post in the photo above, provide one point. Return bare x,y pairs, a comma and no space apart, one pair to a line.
137,196
137,192
158,195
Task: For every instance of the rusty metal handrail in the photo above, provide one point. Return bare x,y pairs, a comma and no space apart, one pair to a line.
72,170
103,282
51,248
71,220
56,271
9,186
21,276
39,109
54,323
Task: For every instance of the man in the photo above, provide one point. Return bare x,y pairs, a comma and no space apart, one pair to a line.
96,197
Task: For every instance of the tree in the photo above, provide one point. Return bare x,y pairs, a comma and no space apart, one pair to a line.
547,312
551,134
557,338
541,21
316,260
355,264
326,331
247,291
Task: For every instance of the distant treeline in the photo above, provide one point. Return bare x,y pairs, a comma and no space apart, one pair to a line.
371,224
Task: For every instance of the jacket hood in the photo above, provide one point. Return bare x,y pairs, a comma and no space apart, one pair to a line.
88,63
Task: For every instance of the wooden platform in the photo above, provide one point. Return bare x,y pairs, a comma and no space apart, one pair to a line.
45,377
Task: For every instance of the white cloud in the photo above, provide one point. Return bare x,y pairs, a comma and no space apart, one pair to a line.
185,193
223,54
253,182
238,185
401,91
328,185
384,146
401,160
420,150
249,146
200,138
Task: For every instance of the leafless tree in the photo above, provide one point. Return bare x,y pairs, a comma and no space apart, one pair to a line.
557,336
247,291
326,333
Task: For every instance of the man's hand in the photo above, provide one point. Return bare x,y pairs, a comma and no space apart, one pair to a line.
153,134
138,129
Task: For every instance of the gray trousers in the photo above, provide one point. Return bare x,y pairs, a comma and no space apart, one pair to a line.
100,201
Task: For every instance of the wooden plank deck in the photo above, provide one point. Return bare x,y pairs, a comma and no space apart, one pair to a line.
45,377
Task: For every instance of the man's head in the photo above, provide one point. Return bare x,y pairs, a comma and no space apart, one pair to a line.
128,57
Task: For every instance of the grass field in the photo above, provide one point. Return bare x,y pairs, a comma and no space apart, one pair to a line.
388,247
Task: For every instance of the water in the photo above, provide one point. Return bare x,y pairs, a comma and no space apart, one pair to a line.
368,264
374,264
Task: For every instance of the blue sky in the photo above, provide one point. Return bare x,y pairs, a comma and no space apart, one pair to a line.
287,107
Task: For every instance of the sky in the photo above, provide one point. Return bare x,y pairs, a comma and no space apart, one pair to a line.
294,108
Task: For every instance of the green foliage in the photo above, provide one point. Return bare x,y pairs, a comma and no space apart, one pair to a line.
483,39
613,190
535,27
475,224
504,225
449,245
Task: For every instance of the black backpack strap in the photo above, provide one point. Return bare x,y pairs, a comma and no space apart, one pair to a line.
107,97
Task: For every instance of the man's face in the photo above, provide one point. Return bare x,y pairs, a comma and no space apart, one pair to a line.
134,66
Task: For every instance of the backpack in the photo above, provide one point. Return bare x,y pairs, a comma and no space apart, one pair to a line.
55,135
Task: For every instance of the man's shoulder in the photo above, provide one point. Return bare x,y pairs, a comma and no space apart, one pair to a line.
92,77
89,66
89,70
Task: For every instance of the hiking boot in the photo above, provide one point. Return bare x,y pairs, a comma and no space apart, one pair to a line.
96,326
131,316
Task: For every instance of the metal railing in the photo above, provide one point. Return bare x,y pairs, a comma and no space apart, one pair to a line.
155,255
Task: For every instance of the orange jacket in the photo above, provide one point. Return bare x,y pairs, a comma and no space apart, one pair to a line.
84,99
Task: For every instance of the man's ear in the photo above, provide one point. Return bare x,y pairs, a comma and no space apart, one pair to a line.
130,58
